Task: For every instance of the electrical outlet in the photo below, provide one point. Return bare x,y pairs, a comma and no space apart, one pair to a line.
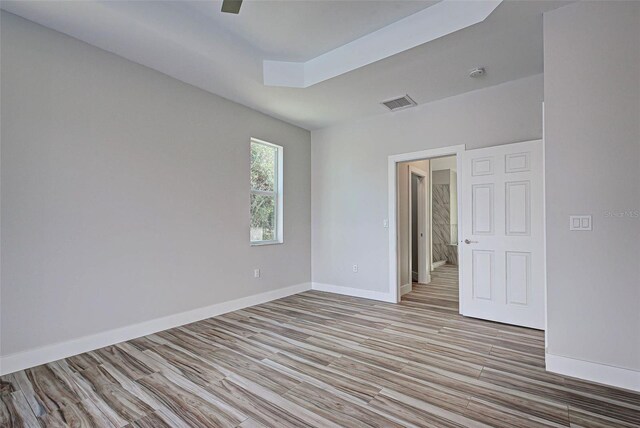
355,268
256,273
385,223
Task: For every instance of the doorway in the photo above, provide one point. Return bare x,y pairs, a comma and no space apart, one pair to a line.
427,224
498,239
401,245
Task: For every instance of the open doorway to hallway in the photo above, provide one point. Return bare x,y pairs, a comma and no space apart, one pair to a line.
500,249
428,226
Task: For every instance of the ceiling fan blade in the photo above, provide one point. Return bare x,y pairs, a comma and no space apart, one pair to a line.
231,6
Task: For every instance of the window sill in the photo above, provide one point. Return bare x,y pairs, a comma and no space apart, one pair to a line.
262,243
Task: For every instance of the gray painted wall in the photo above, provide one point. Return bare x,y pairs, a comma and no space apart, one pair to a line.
349,170
125,193
592,127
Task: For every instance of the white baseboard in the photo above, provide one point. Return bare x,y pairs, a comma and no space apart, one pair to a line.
34,357
439,263
354,292
406,288
427,279
594,372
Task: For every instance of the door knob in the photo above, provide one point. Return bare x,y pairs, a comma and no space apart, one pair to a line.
468,241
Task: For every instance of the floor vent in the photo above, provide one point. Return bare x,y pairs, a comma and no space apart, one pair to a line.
399,103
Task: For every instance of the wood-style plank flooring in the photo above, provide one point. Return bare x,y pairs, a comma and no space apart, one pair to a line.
319,360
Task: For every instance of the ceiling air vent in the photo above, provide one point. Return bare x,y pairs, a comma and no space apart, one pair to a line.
399,103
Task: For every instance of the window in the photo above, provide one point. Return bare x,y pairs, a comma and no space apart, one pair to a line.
266,193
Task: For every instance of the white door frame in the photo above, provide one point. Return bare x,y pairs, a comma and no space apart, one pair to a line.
393,292
424,276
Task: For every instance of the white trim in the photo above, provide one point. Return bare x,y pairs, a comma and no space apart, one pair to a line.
440,263
271,193
544,229
34,357
406,288
278,193
392,292
459,183
354,292
594,372
260,243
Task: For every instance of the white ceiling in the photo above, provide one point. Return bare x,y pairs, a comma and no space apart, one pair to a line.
223,53
431,23
301,30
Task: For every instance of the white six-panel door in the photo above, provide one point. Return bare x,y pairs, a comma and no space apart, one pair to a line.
503,242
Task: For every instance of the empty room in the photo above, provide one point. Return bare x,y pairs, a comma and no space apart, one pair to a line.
319,213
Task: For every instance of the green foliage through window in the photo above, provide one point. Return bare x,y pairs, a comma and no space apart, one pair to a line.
264,192
263,167
263,218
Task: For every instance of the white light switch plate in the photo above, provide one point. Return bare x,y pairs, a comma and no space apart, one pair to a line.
580,222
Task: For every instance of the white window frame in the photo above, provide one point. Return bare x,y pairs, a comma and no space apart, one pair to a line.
277,193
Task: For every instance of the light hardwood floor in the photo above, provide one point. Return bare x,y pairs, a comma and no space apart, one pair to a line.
321,360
